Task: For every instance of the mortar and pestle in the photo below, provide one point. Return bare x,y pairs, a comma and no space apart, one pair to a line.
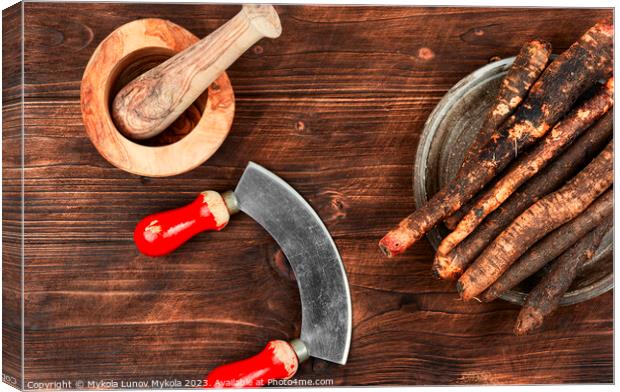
156,100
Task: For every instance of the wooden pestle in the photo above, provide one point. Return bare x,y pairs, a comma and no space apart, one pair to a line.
151,102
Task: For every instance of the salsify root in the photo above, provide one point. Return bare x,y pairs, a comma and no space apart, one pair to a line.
561,83
552,246
551,145
545,298
550,179
524,71
537,221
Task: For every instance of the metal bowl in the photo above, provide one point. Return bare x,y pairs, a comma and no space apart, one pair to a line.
448,131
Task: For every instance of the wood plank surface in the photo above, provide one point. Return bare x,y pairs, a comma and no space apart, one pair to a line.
335,106
12,122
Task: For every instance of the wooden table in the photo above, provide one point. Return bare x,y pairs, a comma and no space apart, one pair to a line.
335,106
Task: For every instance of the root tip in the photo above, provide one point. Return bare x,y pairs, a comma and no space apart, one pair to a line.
397,241
385,250
520,329
465,291
529,320
443,273
488,296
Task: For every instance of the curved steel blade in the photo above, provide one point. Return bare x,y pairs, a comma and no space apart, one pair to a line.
312,253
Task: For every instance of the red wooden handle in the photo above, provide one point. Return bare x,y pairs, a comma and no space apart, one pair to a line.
277,361
161,233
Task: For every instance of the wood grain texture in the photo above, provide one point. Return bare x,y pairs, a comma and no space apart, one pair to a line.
12,123
335,106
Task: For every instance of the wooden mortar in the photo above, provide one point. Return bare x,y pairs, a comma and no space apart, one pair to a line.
129,50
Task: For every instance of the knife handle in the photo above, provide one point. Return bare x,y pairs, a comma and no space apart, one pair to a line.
278,360
161,233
